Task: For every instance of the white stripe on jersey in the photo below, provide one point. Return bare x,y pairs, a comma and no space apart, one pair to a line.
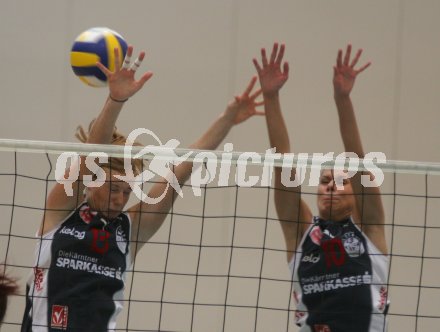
37,281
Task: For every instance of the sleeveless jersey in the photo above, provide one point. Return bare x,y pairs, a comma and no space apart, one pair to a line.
340,280
78,278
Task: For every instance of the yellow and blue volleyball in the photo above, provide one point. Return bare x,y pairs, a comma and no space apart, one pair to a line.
91,46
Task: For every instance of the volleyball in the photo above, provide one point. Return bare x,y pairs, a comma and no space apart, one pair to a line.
91,46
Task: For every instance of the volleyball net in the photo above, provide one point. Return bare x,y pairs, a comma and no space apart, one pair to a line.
218,263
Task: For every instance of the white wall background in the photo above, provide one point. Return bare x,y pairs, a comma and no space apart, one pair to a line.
201,54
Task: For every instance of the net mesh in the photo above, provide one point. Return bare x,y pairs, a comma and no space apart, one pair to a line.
218,263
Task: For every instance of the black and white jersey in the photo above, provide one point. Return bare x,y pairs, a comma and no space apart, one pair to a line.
340,280
78,279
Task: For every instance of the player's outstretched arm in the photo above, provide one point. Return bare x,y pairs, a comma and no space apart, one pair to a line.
149,217
369,208
122,85
292,211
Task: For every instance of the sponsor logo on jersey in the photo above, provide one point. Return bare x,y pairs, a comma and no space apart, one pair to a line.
86,214
73,232
299,315
311,258
81,263
38,278
329,234
121,239
316,235
383,298
353,244
330,283
295,297
59,317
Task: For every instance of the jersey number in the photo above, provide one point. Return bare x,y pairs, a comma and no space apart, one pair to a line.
334,252
100,241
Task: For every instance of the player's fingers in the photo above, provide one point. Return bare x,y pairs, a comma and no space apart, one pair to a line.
255,94
127,58
347,55
250,86
136,64
280,54
103,69
263,57
339,58
356,58
360,70
274,53
286,69
257,65
145,77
